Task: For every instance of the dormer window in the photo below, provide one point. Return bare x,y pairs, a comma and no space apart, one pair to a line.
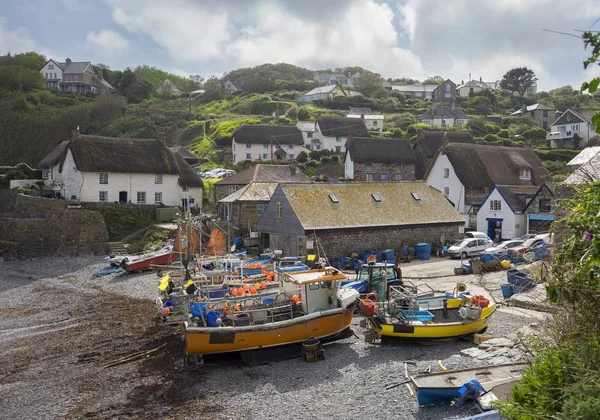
525,173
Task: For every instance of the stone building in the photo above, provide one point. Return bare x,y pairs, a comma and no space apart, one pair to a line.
379,159
543,115
339,219
429,142
445,93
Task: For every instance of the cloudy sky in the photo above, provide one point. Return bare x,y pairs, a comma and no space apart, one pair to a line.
404,38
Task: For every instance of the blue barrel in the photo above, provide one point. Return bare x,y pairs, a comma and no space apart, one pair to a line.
198,308
507,290
268,301
211,318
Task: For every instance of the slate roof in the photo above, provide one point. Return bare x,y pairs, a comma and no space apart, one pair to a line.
263,133
569,117
123,155
75,66
380,150
266,173
483,166
357,208
516,202
443,111
306,126
415,88
322,89
584,156
429,142
358,111
342,127
255,191
535,107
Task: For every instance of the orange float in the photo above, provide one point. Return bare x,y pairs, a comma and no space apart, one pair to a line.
234,292
253,291
257,285
295,298
263,284
246,286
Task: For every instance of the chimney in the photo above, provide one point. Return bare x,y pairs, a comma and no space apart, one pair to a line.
75,134
480,80
161,137
362,116
462,82
445,140
68,60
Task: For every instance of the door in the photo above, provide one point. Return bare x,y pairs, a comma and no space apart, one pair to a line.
122,196
494,229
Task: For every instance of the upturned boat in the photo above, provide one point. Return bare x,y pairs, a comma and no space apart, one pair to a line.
308,304
443,387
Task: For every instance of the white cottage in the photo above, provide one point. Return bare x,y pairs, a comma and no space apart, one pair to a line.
109,169
571,130
333,132
266,142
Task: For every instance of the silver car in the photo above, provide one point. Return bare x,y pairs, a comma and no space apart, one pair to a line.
504,245
468,247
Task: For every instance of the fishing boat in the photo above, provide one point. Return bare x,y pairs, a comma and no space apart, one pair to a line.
406,315
311,304
443,387
143,262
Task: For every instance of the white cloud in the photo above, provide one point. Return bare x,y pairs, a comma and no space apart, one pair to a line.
16,40
107,43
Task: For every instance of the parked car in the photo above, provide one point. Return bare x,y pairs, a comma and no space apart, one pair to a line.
474,234
211,173
527,236
529,244
504,245
468,247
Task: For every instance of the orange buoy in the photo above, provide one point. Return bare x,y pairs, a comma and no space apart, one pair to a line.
246,286
253,291
295,298
241,291
263,271
272,274
263,284
234,292
166,311
257,285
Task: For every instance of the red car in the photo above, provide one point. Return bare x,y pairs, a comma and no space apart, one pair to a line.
528,245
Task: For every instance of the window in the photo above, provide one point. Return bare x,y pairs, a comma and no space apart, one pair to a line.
374,123
278,210
446,191
486,191
141,197
103,196
266,145
248,145
309,135
338,139
248,156
333,198
545,113
545,205
397,177
46,75
158,198
448,87
370,177
50,66
446,172
318,147
104,178
459,122
376,197
475,209
568,118
545,125
383,176
260,209
338,149
495,205
264,156
46,173
524,173
158,178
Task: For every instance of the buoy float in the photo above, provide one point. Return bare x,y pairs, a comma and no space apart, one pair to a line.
263,284
234,292
253,291
246,286
295,298
257,285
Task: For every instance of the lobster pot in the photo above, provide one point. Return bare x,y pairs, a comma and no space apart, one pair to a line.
423,251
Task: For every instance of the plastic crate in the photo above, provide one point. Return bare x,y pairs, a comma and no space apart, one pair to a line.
417,315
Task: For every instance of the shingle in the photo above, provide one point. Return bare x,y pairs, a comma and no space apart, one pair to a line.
357,208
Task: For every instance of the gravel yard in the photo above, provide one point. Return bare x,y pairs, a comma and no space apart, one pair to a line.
60,324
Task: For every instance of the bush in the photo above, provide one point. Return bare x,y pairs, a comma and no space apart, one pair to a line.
503,133
536,133
325,159
303,113
312,163
491,138
335,159
414,128
315,154
302,157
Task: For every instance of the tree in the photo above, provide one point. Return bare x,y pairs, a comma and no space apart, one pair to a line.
480,105
197,80
435,80
592,39
368,82
302,157
518,80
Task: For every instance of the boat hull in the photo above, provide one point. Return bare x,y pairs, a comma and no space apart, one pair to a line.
201,340
144,263
435,331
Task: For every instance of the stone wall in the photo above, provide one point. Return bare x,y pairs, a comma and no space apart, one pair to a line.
405,170
343,242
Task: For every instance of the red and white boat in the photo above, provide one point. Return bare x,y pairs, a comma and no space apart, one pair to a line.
143,262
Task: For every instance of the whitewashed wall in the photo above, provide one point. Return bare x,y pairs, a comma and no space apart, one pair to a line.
457,191
44,70
348,167
505,213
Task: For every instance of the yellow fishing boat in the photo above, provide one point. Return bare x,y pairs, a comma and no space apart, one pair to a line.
310,304
405,316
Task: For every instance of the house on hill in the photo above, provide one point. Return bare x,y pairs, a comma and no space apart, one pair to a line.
229,86
572,130
466,173
74,76
110,169
347,218
429,142
373,121
336,78
542,114
333,132
308,134
417,91
445,93
168,88
585,166
379,159
323,93
444,116
266,142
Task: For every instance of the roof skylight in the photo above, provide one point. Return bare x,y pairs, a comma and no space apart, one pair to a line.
333,198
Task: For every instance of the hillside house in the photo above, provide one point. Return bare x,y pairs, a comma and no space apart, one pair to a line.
229,86
585,166
428,144
516,210
308,134
168,88
373,121
445,93
74,76
466,90
336,78
466,173
542,114
379,160
259,173
444,116
323,93
417,91
333,132
109,169
266,142
347,218
571,130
